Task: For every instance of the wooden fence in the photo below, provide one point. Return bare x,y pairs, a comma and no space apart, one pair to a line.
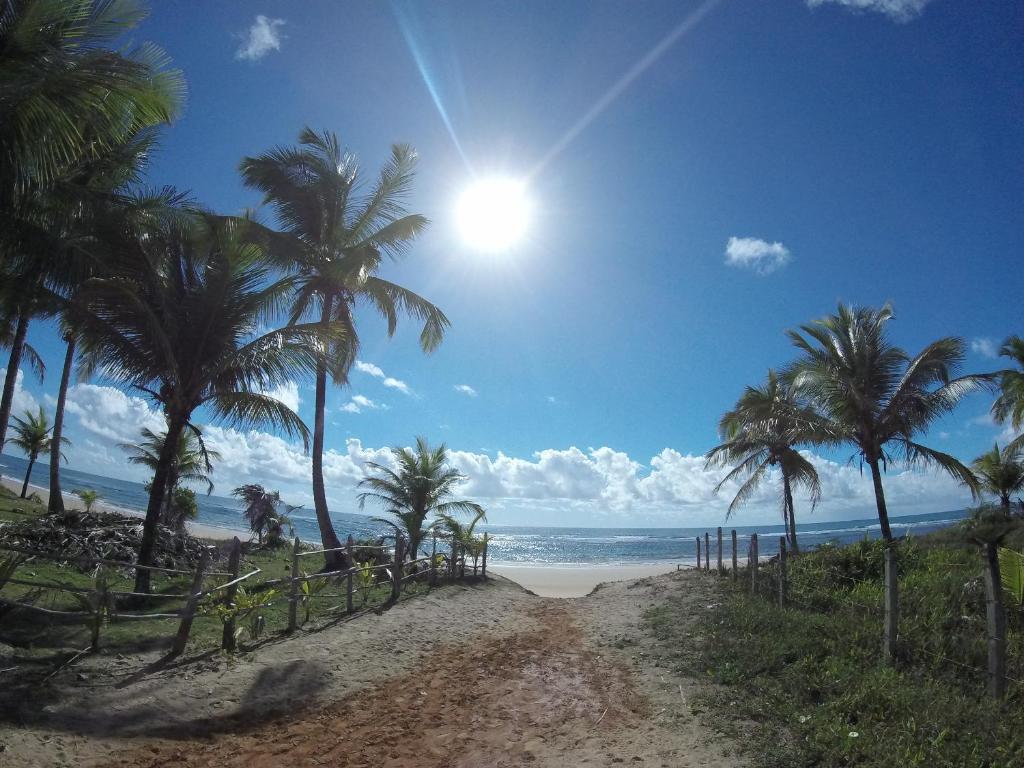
777,585
102,601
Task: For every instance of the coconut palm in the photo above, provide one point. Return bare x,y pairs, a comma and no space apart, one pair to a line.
422,484
760,434
877,397
180,318
69,88
1009,406
462,533
88,496
335,238
261,508
1000,473
32,437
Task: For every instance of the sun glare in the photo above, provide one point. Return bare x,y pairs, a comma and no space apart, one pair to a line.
492,215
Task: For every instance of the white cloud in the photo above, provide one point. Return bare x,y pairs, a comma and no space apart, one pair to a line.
23,399
359,403
552,399
287,394
465,389
378,373
112,414
985,347
897,10
262,37
756,254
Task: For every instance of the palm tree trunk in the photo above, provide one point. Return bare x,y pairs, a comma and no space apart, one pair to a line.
883,513
789,514
329,539
13,364
157,491
28,475
56,504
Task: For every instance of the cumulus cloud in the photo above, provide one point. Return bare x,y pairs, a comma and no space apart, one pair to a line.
261,38
388,381
287,394
23,399
465,389
112,414
897,10
359,403
756,254
985,347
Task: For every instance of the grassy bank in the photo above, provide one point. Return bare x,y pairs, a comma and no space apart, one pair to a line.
41,635
805,685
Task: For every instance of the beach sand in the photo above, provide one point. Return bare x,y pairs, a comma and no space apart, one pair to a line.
573,581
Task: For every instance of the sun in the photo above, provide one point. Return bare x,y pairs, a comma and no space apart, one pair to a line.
493,214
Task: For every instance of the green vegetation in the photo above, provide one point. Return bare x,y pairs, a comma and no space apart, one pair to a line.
88,496
1000,473
32,437
810,676
422,485
261,612
1009,406
262,512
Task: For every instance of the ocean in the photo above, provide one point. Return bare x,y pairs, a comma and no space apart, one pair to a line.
518,544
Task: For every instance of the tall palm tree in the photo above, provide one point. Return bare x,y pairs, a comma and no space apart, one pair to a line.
181,318
334,237
422,484
760,434
877,397
32,437
1001,473
1009,406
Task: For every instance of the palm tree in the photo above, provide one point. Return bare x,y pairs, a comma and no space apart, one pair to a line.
70,89
423,484
1009,406
88,496
760,434
32,437
192,463
463,534
260,508
179,318
877,397
1001,473
334,239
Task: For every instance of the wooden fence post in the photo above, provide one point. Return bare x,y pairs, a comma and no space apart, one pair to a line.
483,563
102,601
293,592
735,561
721,568
433,560
698,553
891,608
782,571
190,605
397,569
227,641
995,614
707,552
753,563
350,575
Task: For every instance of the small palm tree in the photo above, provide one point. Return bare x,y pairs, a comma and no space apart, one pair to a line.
1009,406
1000,473
877,397
182,318
760,434
463,534
32,436
422,485
335,239
261,510
88,496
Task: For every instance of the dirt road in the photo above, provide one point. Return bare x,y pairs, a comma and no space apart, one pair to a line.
517,680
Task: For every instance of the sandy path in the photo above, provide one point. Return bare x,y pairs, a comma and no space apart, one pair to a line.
518,680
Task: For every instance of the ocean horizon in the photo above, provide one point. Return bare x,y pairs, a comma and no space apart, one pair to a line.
561,546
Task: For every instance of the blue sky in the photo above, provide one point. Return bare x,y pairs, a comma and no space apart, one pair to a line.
855,150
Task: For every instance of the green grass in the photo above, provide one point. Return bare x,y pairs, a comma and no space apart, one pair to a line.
32,632
810,680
